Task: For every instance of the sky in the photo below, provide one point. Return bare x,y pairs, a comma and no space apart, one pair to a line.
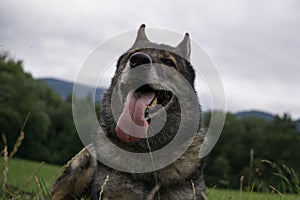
254,44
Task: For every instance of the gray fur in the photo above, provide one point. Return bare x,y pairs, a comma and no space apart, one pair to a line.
174,181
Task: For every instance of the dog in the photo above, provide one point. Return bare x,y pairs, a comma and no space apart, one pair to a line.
141,99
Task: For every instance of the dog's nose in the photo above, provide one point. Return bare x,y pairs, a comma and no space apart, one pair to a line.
139,58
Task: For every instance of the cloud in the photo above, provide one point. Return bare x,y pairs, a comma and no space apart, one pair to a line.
255,44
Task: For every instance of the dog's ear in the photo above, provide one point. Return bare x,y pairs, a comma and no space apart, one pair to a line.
141,36
185,47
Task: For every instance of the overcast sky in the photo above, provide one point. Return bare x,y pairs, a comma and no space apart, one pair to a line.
255,44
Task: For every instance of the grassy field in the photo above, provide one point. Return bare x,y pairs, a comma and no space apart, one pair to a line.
216,194
22,175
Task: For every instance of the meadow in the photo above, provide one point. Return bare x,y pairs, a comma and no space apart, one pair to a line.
37,178
23,174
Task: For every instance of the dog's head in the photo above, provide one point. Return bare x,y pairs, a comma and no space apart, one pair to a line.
141,95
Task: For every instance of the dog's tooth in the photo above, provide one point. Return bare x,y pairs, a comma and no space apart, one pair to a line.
154,102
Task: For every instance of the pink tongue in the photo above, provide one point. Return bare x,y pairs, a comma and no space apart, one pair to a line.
132,126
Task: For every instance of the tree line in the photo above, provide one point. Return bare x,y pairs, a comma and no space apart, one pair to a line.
256,153
50,134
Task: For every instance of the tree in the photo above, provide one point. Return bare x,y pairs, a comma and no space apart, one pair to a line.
50,134
242,146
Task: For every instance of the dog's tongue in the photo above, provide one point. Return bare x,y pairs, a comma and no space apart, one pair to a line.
132,125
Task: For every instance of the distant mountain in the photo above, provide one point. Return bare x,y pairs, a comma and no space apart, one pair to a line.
262,115
65,88
255,113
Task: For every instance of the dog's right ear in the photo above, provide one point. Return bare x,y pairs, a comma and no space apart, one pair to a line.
141,36
185,47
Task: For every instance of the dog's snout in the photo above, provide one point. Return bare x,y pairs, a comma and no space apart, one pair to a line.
139,58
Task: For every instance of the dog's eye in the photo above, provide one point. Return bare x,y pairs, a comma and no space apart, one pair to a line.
168,62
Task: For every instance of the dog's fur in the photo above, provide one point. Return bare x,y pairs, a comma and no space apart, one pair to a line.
182,179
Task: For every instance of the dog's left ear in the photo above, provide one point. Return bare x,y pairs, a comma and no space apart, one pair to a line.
185,47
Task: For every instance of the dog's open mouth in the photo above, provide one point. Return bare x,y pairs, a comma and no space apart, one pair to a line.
140,106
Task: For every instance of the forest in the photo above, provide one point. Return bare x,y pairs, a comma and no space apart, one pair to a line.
252,153
50,133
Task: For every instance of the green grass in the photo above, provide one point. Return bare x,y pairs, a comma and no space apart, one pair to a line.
217,194
22,174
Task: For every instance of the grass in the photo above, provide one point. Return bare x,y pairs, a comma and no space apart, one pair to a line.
289,182
22,173
217,194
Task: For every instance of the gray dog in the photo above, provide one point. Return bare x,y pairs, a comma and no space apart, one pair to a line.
145,105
